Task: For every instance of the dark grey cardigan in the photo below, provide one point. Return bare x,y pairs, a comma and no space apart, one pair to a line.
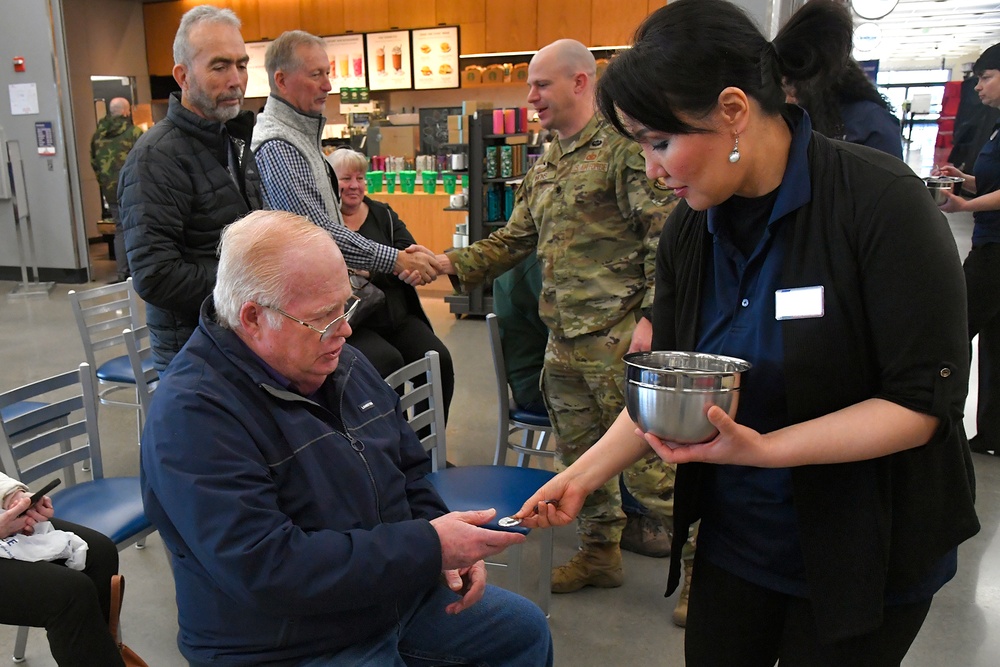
894,328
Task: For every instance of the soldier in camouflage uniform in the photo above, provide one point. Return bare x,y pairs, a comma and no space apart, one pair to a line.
112,141
587,207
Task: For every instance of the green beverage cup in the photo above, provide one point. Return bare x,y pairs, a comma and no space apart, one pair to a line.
407,181
430,179
449,179
465,181
390,182
375,181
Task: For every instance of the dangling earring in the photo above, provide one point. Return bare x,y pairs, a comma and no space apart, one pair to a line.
734,157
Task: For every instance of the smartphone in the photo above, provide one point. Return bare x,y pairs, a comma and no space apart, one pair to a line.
37,495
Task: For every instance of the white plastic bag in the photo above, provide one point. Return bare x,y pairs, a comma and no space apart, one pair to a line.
46,543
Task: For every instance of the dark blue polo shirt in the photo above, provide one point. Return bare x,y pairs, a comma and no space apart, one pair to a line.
749,527
986,228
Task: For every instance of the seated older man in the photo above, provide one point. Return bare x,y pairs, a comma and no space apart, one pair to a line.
291,492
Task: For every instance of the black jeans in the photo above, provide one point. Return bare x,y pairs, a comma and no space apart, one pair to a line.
982,281
72,606
738,624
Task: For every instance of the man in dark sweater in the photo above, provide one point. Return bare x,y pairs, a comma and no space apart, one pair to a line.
188,177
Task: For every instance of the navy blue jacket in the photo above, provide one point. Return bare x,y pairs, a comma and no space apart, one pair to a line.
297,527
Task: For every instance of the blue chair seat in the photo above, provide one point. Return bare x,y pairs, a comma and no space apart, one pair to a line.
481,487
529,417
110,505
119,370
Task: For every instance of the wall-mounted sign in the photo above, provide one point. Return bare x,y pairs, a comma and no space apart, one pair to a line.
867,37
23,99
45,139
389,60
347,62
435,58
873,9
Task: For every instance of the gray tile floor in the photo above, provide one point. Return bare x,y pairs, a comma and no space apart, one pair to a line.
592,628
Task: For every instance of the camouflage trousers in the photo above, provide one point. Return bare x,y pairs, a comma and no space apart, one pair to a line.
582,383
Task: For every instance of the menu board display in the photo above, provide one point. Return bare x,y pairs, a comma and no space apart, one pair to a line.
435,58
257,84
389,60
347,61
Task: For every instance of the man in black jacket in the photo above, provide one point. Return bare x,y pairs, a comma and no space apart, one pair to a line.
188,177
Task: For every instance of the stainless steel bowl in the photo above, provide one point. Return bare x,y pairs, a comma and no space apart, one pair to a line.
939,185
669,393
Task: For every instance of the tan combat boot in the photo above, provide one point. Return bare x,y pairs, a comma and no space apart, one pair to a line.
681,610
593,565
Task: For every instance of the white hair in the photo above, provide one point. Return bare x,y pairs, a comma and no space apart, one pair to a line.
193,17
253,265
348,161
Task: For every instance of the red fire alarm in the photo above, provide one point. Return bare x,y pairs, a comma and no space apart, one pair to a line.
18,64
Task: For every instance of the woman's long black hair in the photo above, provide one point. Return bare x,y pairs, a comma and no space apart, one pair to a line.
815,53
682,57
686,53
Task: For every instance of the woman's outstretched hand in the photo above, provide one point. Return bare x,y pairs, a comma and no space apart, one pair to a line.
555,504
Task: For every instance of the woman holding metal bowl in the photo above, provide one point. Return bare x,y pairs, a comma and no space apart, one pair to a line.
831,508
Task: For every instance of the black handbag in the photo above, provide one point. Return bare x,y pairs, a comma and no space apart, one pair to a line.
372,298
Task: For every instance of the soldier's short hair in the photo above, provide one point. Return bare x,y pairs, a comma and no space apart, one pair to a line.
196,16
282,53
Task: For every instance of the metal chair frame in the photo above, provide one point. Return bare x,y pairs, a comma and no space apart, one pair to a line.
140,357
422,399
55,422
535,436
101,314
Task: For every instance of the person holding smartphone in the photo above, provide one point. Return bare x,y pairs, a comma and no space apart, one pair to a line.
71,605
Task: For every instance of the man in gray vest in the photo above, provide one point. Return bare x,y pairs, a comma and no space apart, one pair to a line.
293,170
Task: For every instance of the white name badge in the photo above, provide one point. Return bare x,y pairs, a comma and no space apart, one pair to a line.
798,303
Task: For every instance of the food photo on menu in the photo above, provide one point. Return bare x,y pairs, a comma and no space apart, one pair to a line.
435,58
389,60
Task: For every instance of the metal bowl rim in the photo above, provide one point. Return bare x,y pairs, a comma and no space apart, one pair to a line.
942,181
741,364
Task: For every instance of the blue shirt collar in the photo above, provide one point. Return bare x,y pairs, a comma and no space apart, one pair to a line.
795,190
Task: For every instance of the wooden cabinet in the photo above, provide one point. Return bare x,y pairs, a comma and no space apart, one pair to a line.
322,17
364,15
406,14
563,19
615,27
278,16
472,37
511,25
486,25
160,21
247,10
460,12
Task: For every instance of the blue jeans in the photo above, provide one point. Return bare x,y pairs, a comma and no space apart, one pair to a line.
501,629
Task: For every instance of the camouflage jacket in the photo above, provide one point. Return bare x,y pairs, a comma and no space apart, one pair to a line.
112,141
590,211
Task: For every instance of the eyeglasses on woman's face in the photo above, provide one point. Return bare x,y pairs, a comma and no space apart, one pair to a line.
324,334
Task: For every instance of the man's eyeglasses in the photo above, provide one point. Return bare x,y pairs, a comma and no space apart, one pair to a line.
329,329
